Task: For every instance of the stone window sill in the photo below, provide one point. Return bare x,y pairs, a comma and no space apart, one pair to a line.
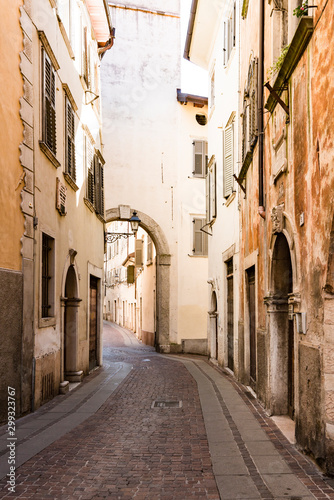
49,154
70,181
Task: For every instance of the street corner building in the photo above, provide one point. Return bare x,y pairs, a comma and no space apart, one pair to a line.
270,280
51,264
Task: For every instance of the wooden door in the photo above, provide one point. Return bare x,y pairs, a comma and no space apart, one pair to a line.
291,378
230,326
93,323
252,323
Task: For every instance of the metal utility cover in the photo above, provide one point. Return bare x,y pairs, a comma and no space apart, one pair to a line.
166,404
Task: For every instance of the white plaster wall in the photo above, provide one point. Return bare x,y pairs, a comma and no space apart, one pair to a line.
80,229
144,137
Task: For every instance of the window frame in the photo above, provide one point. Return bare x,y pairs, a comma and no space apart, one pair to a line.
47,293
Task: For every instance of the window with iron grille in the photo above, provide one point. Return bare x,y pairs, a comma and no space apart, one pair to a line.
70,166
47,276
200,238
49,104
200,158
249,118
229,36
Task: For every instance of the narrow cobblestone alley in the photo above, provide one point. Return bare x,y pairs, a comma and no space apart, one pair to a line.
148,426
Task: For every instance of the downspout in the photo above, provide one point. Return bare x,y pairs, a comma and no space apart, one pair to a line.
262,211
109,43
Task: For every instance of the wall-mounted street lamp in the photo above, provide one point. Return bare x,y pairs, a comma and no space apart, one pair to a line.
134,222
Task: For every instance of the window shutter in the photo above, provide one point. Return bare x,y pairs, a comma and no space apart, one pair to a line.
253,102
70,140
213,192
225,58
130,275
49,111
198,158
139,253
198,239
85,56
97,191
228,160
207,197
90,172
233,25
102,190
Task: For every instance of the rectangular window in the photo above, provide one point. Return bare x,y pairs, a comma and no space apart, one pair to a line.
70,167
49,104
200,239
200,158
229,35
228,167
47,276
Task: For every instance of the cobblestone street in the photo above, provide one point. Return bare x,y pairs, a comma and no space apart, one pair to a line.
165,428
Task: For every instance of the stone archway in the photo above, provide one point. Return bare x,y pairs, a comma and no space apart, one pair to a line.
282,302
163,271
70,302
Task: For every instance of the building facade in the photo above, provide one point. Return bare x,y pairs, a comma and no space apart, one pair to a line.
60,249
284,171
213,43
151,133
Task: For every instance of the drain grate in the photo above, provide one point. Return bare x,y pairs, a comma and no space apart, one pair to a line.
166,404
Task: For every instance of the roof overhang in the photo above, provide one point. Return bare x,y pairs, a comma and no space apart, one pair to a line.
196,100
205,17
101,21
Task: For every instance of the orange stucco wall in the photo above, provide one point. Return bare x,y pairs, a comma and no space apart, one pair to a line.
11,84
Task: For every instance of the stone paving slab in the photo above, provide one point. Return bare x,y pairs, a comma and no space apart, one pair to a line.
107,440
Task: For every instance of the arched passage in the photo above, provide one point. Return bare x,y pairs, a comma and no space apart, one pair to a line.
70,305
163,271
282,346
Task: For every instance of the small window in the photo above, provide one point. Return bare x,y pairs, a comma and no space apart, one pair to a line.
49,104
200,158
201,119
229,35
200,239
47,301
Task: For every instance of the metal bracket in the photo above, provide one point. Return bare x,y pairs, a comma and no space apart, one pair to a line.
277,97
239,182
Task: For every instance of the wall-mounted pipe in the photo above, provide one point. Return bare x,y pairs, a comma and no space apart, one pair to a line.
262,211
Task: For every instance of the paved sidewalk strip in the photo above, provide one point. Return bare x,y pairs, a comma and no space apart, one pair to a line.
62,418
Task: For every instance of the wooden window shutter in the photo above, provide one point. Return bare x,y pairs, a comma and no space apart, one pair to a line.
213,205
139,253
85,56
200,158
228,160
70,140
130,274
49,111
90,172
207,197
97,192
200,239
253,103
225,57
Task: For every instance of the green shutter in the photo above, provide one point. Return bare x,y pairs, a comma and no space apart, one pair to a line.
130,274
49,111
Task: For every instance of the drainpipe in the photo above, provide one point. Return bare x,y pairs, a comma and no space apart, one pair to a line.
109,43
262,211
